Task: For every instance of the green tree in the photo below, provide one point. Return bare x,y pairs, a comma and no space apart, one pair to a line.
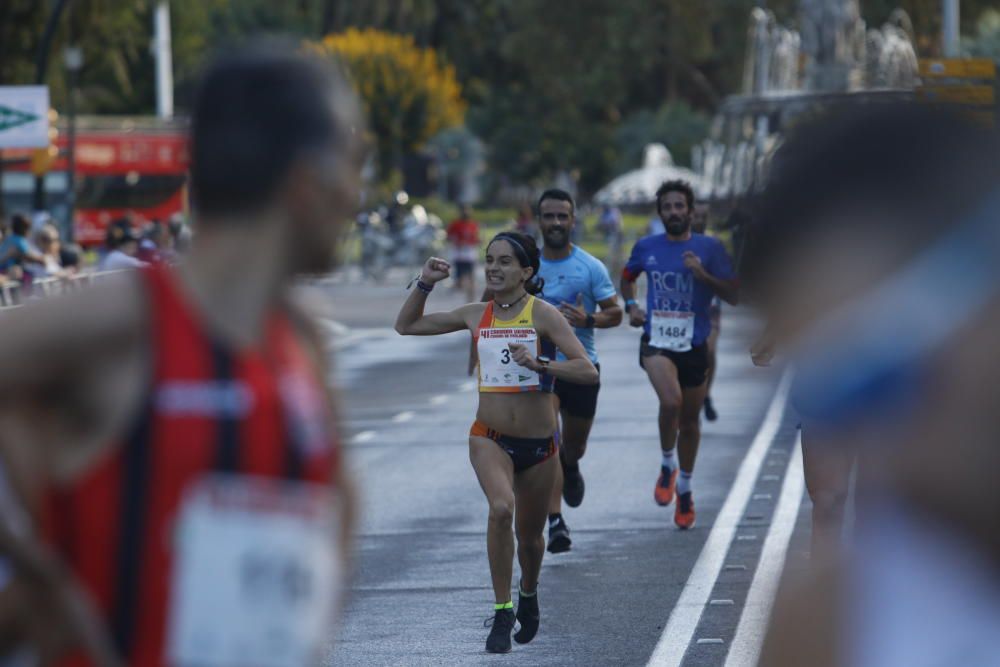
675,125
986,42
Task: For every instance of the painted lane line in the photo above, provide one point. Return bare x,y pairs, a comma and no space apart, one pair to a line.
745,648
404,417
440,399
363,436
683,620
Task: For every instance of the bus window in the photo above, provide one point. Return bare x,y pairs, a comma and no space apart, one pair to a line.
133,191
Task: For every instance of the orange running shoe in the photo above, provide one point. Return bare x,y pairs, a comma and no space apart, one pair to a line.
684,512
663,494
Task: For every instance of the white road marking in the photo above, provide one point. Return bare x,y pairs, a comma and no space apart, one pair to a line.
404,417
440,399
363,436
684,618
749,638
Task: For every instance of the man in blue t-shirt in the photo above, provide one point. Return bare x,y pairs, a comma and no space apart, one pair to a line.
576,283
684,271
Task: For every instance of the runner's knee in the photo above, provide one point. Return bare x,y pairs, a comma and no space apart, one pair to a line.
670,405
535,541
502,512
828,504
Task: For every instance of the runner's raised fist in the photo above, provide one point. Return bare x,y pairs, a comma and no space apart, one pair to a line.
435,269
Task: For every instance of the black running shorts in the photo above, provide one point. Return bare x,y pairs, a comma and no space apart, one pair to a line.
578,400
692,366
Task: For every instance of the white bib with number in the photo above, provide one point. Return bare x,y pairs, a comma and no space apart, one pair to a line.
256,574
497,368
671,330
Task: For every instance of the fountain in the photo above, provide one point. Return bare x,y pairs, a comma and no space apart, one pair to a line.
788,72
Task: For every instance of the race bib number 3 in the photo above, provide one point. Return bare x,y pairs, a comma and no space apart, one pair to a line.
497,367
671,330
256,574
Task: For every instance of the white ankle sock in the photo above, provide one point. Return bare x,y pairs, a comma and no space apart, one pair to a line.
684,482
668,459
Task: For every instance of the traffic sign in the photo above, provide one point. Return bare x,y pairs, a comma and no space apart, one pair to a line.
958,68
24,116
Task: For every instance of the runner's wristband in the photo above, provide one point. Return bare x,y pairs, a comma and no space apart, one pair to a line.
589,324
421,285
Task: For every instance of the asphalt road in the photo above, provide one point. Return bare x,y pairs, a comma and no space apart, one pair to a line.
634,590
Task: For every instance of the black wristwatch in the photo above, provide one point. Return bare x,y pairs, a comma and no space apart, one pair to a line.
589,324
544,362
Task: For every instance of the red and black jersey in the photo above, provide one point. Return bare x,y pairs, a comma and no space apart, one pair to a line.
209,409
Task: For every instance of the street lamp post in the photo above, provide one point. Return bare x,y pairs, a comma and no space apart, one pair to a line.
73,57
41,66
950,28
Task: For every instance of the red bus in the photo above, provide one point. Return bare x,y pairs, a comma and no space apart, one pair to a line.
123,166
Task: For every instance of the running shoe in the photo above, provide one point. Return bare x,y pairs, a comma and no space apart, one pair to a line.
684,512
572,485
663,494
528,617
502,625
559,537
710,413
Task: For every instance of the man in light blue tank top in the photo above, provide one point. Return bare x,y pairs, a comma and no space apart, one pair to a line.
578,284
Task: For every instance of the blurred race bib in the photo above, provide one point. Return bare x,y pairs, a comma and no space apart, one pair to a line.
671,330
256,574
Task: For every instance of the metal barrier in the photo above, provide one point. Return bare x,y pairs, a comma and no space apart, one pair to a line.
14,294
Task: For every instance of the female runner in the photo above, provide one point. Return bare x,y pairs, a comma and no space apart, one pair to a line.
511,443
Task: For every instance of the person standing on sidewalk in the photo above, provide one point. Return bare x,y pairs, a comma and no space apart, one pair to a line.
463,236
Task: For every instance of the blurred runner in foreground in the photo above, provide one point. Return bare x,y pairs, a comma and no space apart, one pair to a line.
173,429
876,254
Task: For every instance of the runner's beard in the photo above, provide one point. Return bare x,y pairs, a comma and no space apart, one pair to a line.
677,226
557,242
